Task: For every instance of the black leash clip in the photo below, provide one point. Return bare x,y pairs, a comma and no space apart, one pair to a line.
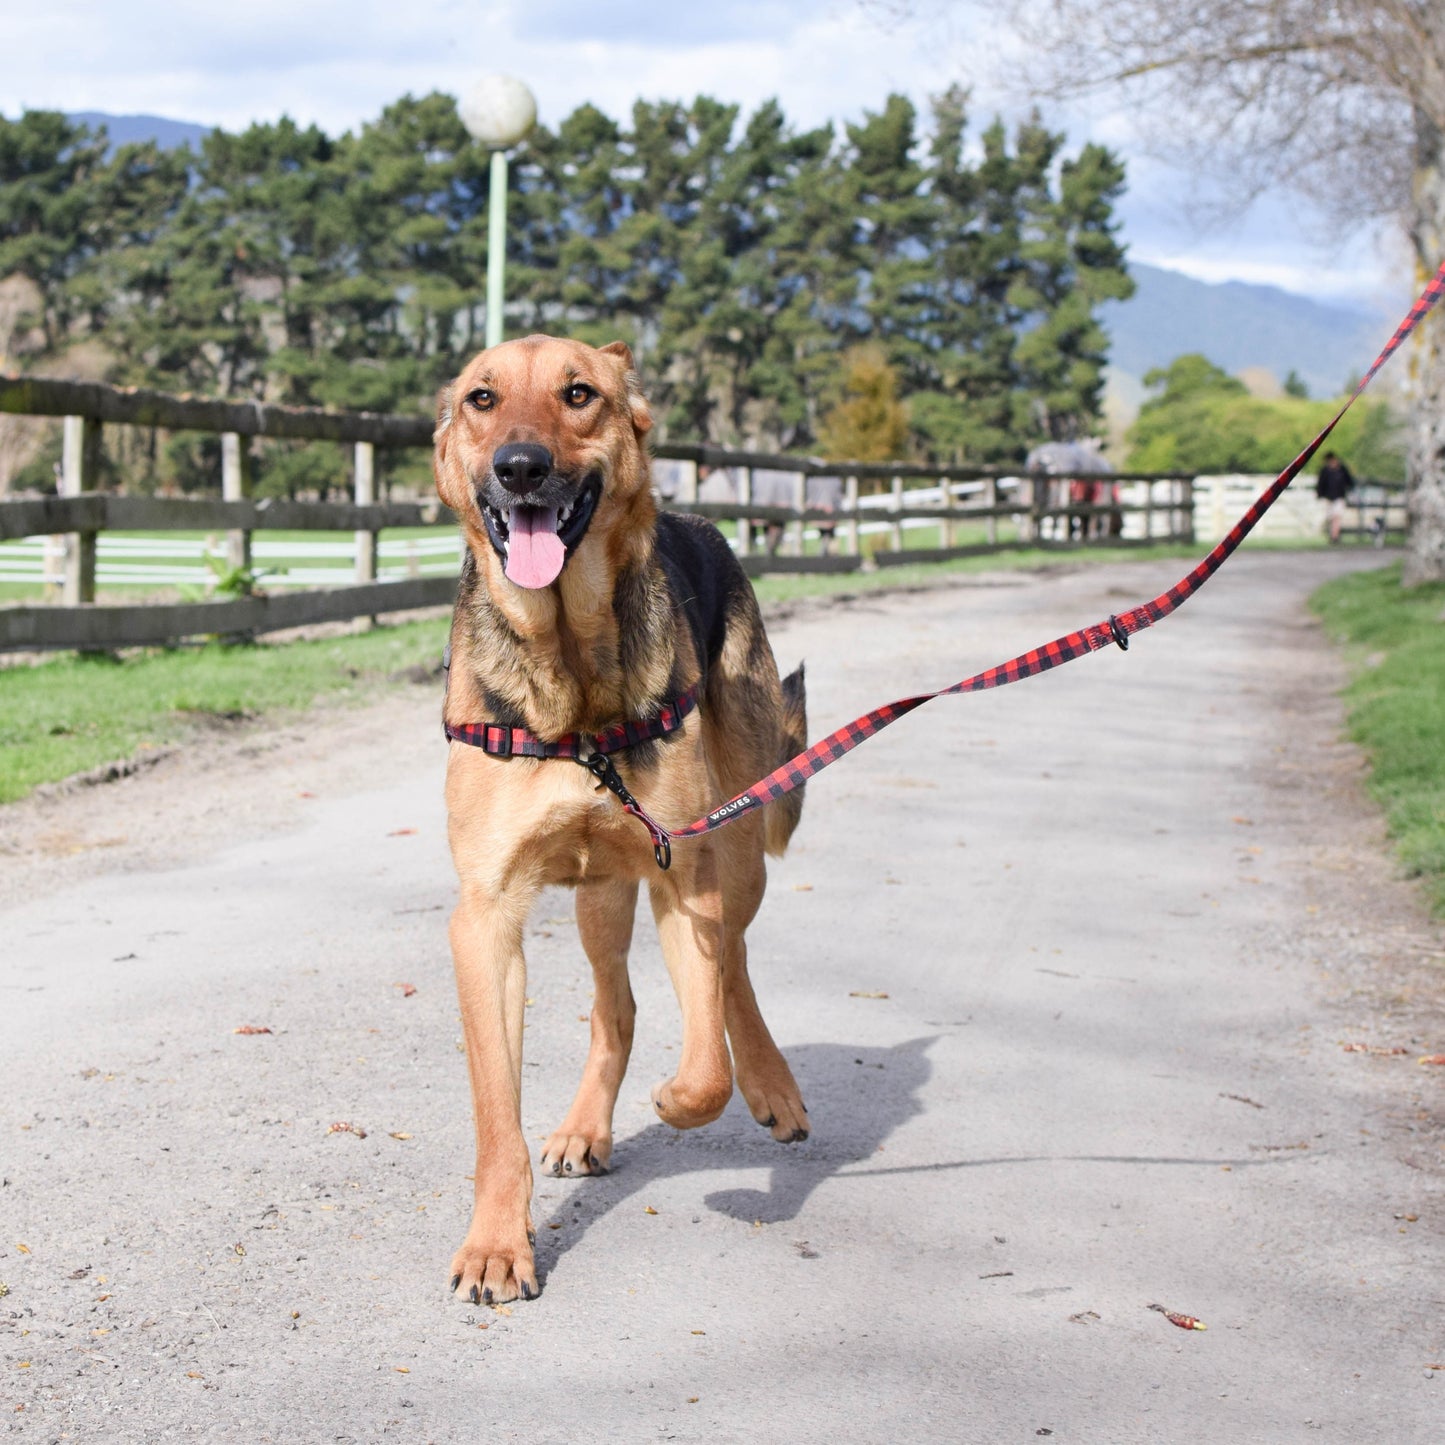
1116,631
601,767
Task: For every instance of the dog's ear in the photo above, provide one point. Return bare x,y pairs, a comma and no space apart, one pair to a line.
636,401
440,437
622,349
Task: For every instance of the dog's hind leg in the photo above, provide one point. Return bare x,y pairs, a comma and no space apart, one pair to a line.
764,1078
687,904
495,1262
583,1142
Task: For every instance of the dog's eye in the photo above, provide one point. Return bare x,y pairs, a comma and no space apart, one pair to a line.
481,399
578,394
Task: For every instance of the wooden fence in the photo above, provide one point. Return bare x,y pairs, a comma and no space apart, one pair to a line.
883,499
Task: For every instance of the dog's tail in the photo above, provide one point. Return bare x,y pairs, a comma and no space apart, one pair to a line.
781,817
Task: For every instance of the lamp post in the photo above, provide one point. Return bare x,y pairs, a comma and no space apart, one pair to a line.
498,112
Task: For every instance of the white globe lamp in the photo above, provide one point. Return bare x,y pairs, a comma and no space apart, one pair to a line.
498,113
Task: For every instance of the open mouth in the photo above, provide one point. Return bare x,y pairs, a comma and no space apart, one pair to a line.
534,542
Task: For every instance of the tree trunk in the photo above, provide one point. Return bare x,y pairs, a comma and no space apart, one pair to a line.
1425,537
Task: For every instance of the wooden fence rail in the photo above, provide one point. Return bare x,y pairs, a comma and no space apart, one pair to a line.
942,497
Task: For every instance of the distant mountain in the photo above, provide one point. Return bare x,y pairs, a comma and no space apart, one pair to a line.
1238,325
124,129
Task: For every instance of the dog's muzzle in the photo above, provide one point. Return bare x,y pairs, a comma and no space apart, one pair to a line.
535,516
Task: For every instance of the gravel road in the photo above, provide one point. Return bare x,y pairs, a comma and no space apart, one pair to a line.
1065,972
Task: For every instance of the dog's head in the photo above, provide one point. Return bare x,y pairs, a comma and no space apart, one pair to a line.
539,449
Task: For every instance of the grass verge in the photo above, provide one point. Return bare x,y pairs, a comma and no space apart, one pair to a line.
1395,643
72,713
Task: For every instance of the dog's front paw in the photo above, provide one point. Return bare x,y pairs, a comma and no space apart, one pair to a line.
489,1272
781,1111
570,1153
688,1107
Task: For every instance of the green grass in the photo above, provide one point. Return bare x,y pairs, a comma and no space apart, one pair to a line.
1396,646
72,713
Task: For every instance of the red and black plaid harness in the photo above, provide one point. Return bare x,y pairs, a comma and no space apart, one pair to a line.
592,750
1114,630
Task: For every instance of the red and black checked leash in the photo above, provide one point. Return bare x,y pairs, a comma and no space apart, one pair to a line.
1117,628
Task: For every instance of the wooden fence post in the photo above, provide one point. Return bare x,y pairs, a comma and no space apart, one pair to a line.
687,492
236,487
990,493
949,534
850,511
1148,510
896,505
800,501
365,495
80,459
745,497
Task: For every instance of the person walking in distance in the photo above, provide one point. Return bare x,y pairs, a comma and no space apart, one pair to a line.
1332,487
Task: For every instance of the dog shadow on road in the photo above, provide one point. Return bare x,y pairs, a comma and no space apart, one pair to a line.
857,1096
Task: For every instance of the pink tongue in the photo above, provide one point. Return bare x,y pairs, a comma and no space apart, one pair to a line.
535,553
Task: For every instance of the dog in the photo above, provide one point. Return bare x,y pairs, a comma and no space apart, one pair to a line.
580,607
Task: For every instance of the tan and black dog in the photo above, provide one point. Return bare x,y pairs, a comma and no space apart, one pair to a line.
581,607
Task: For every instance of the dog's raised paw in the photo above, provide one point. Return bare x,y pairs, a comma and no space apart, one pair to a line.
492,1274
569,1155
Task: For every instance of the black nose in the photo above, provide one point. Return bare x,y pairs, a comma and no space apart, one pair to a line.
522,466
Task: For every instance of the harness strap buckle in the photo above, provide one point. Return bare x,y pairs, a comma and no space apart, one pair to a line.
1116,631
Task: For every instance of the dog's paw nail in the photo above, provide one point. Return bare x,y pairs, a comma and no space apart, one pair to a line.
526,1290
486,1295
456,1280
476,1296
567,1167
799,1135
770,1121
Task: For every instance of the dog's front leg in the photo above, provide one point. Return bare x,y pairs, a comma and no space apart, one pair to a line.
495,1261
687,904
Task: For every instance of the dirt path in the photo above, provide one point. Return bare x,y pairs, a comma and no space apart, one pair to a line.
1125,916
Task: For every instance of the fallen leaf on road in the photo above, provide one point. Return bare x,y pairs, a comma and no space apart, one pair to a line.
402,1369
1083,1317
1378,1049
998,1274
802,887
1243,822
401,833
341,1127
1430,1058
693,1399
85,1268
1240,1099
1184,1322
865,993
399,1134
251,1029
699,1332
407,989
23,1248
648,1209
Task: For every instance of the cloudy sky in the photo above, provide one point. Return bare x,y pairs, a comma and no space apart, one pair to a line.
826,60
